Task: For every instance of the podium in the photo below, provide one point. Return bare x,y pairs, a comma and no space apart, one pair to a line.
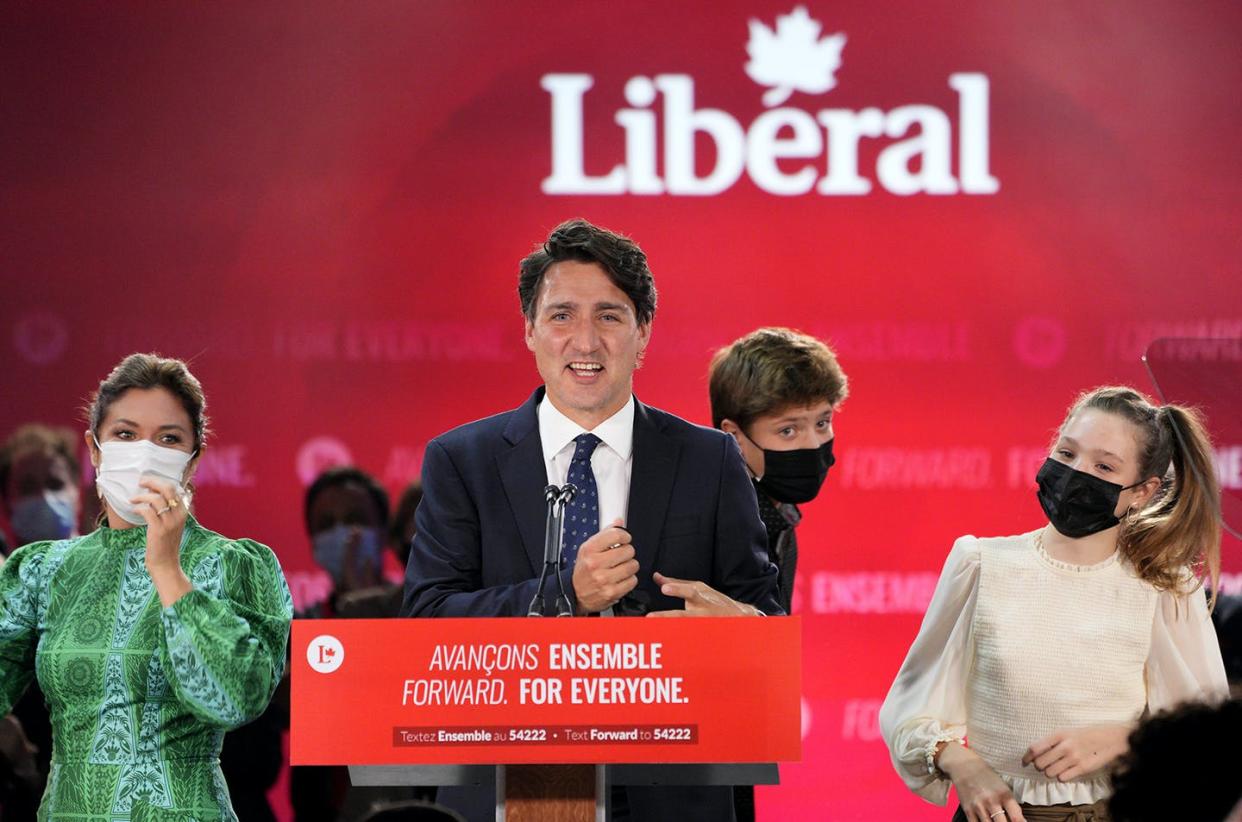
540,719
568,801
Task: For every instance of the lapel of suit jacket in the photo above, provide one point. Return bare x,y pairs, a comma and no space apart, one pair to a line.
651,483
524,476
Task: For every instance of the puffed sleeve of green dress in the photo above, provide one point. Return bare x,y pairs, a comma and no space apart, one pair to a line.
225,641
22,582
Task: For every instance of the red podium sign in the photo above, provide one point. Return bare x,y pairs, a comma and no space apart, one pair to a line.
497,691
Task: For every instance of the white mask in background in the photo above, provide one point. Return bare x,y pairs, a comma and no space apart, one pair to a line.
50,515
331,549
122,463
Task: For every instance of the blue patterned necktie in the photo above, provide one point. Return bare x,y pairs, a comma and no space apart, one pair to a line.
582,513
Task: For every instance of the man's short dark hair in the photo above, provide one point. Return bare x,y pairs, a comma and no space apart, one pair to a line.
620,257
347,475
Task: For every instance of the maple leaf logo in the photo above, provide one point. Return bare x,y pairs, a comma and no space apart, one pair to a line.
793,58
329,652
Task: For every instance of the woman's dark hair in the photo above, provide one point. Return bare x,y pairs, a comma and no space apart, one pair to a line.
620,257
347,475
151,371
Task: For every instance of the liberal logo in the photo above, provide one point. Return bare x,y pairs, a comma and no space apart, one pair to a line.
793,58
325,653
917,139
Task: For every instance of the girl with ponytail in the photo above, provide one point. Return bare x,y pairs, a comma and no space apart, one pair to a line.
1046,648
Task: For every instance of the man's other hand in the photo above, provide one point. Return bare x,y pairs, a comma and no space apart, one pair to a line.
701,599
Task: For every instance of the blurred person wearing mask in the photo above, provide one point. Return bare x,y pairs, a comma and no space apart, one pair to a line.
152,635
39,488
42,499
384,600
346,512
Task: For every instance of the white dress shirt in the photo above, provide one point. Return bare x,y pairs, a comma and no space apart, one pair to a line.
612,462
1016,644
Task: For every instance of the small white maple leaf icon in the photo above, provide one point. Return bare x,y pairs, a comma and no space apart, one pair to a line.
793,57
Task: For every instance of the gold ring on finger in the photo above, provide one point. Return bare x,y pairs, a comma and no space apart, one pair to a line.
172,503
1001,812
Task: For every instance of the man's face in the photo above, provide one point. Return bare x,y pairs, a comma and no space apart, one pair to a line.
587,341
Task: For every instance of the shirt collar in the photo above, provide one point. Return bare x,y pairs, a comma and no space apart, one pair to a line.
557,430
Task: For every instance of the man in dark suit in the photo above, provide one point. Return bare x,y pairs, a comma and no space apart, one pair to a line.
665,521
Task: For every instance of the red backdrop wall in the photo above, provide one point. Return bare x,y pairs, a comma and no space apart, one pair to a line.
322,206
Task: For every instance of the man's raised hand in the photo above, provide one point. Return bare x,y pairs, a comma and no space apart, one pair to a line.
605,569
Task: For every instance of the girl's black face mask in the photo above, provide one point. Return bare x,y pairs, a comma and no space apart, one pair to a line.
1077,504
795,476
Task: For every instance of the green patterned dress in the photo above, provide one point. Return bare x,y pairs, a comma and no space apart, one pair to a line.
140,696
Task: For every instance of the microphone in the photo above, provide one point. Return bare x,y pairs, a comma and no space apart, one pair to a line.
568,490
551,494
553,537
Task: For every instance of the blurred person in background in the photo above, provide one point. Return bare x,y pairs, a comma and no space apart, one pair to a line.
42,500
384,600
152,634
39,488
346,514
1184,764
1227,617
346,511
1044,649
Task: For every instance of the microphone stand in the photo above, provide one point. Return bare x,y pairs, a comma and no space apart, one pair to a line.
563,608
553,539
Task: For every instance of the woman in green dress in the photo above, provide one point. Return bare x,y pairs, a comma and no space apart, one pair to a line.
150,636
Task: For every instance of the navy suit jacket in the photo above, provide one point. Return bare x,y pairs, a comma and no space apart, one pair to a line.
478,550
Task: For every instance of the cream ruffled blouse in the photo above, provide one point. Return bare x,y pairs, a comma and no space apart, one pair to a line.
1016,645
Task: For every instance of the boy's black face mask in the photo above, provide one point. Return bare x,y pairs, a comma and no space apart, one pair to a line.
795,476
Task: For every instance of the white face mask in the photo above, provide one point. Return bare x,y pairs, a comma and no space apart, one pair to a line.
331,548
50,515
122,463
